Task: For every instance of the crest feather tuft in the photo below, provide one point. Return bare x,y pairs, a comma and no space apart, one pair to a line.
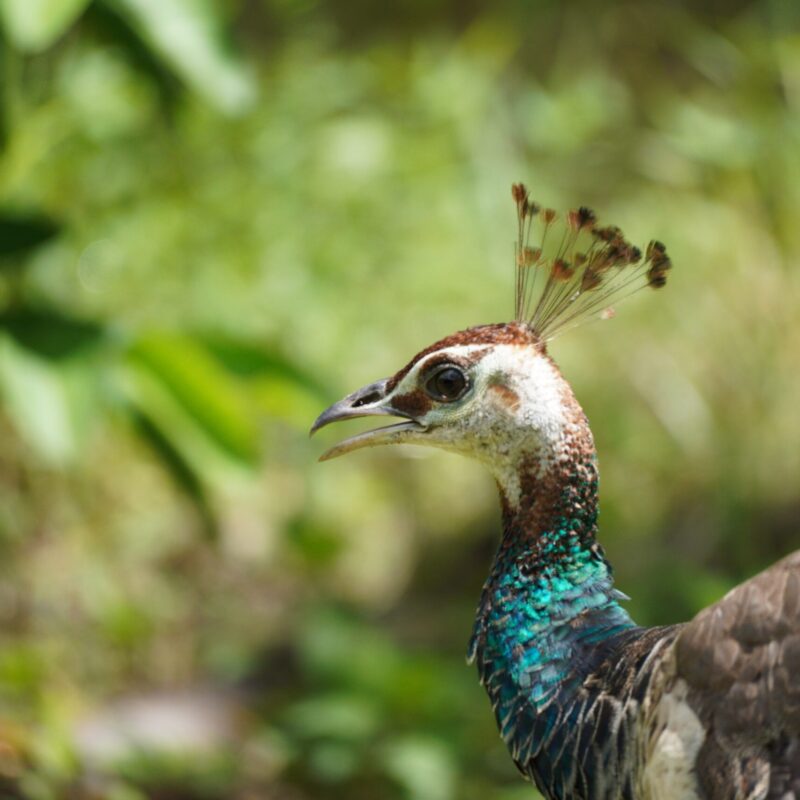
573,271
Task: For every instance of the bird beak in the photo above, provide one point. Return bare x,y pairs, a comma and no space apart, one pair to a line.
370,401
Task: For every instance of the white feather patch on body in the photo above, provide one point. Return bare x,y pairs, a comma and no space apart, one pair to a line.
669,770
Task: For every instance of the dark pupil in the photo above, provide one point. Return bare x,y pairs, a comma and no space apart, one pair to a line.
449,382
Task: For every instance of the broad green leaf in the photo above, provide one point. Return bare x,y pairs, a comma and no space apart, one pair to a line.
281,390
188,36
181,468
21,232
254,360
213,398
33,25
35,397
202,466
50,333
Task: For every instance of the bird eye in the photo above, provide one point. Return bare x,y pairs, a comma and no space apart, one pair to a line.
446,384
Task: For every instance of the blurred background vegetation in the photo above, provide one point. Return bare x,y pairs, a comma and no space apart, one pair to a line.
215,219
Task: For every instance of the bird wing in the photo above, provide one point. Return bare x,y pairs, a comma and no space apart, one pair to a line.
731,693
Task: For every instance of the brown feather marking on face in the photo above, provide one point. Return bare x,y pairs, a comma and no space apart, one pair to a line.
508,397
415,403
497,333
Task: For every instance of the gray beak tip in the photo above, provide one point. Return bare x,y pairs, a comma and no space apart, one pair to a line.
363,403
316,426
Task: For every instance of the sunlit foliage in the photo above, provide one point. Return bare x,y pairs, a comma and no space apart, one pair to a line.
217,218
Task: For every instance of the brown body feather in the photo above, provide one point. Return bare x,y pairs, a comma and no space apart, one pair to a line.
738,665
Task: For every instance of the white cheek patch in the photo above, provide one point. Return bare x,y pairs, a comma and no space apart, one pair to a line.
533,424
534,379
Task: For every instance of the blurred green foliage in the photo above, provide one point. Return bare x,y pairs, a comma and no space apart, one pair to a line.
215,219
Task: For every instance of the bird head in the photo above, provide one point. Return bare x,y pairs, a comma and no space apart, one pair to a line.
492,392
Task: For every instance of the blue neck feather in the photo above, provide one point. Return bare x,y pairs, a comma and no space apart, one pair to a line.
548,615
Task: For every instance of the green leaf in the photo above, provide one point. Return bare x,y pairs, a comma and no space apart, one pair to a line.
257,360
211,396
50,333
187,35
20,232
280,389
36,399
33,25
180,468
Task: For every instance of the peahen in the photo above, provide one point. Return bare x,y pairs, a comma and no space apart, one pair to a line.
590,705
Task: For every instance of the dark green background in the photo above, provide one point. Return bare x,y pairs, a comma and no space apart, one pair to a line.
217,218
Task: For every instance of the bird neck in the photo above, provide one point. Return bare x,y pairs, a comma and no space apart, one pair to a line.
550,583
549,500
549,613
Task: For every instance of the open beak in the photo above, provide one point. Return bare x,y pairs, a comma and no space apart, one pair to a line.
370,401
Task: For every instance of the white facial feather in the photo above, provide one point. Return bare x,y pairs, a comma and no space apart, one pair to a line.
514,409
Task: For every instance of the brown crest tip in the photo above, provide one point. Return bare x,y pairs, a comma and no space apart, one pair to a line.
573,273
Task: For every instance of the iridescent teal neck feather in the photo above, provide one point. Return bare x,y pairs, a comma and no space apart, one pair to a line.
549,615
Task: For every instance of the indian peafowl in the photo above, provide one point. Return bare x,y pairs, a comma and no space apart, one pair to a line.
590,705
